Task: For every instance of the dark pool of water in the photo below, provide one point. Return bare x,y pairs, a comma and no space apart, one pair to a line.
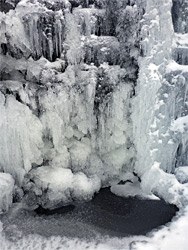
119,216
106,215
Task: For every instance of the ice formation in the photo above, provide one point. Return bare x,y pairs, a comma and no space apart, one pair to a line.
92,91
6,192
182,174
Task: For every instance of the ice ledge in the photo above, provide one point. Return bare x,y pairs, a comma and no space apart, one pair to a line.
173,66
165,186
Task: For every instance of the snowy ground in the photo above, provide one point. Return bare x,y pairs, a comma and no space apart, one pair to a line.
172,236
21,229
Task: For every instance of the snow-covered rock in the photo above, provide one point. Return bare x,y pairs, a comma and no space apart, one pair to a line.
60,186
130,189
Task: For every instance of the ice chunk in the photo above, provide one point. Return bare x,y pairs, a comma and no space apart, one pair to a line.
62,186
181,174
165,186
181,124
6,191
173,66
80,153
131,190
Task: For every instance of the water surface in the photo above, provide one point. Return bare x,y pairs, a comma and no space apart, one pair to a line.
106,215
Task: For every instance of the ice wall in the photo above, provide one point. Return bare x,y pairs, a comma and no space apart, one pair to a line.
149,111
68,71
161,99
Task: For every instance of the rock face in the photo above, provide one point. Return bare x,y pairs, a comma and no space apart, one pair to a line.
91,87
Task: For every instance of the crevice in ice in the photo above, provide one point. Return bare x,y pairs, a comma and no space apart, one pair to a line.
6,5
178,154
87,3
4,48
180,16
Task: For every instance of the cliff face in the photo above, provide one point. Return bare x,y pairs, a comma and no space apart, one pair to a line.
91,91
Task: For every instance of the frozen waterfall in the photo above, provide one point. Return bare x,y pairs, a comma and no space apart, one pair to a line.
93,93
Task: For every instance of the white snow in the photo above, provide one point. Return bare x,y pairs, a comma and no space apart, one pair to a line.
165,186
132,190
172,236
174,66
62,185
180,125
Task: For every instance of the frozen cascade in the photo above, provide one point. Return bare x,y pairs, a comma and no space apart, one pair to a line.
91,94
79,101
161,95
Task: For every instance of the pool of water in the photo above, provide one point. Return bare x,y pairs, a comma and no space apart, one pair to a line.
105,215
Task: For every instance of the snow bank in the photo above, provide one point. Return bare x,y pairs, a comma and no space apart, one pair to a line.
165,186
172,236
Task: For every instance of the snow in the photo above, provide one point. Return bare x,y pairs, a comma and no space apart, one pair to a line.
165,186
63,186
171,236
174,66
6,193
181,124
132,190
